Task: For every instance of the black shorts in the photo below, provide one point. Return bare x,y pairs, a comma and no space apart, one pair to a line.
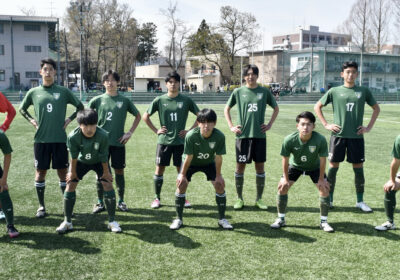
354,146
57,153
295,173
117,155
210,171
83,168
248,149
165,152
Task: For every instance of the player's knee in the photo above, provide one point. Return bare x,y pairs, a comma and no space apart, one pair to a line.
119,171
40,174
107,186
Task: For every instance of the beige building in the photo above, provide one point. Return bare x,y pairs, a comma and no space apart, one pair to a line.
273,66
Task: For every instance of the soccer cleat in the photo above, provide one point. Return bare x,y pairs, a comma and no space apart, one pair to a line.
122,206
156,204
99,207
176,224
64,227
223,223
278,223
261,204
386,226
326,227
12,231
41,212
187,204
2,216
363,207
238,204
114,227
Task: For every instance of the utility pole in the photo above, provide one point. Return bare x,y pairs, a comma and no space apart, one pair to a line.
311,65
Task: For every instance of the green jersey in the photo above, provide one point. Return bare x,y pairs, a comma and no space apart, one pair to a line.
50,104
396,148
304,156
5,144
88,150
173,114
112,111
252,104
348,108
204,149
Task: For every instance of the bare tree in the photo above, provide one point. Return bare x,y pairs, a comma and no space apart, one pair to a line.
28,11
178,34
396,19
380,13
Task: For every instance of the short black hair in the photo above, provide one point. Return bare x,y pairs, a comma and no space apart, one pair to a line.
112,73
48,60
252,67
174,75
305,115
206,115
348,64
87,117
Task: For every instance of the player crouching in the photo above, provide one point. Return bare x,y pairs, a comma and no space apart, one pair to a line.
204,147
309,151
88,146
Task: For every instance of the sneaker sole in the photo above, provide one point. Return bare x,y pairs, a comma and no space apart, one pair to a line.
225,228
330,231
277,227
64,232
13,235
41,216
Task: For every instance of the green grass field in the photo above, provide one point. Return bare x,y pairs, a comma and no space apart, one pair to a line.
147,249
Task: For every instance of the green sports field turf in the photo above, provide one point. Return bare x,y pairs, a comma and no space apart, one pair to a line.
147,249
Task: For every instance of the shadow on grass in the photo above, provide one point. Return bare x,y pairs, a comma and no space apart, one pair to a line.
52,241
263,230
337,209
363,229
160,234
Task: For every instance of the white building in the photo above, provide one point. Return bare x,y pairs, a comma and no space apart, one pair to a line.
24,41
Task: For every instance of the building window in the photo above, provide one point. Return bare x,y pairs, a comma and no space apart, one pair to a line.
322,37
379,80
306,37
329,39
1,28
2,75
34,74
1,49
306,46
31,27
314,38
33,48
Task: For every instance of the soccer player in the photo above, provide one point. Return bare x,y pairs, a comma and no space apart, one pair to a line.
204,147
112,109
5,199
5,107
391,187
173,109
348,102
250,131
50,103
307,150
88,146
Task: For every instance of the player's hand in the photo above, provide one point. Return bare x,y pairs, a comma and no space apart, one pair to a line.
265,127
35,124
180,180
362,130
333,127
3,184
236,129
220,180
162,130
391,186
283,185
107,176
183,133
323,185
125,138
71,176
66,123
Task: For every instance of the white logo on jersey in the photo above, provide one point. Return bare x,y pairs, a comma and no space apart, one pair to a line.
296,148
259,96
212,145
96,145
180,104
198,144
119,104
312,148
165,104
56,95
358,94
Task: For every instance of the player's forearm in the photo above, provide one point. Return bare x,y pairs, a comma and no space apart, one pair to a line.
10,116
322,166
375,114
318,111
78,108
285,168
218,164
227,114
26,115
274,115
74,163
394,167
6,166
135,123
186,164
147,120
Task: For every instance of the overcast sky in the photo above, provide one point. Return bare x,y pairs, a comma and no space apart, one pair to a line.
274,17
